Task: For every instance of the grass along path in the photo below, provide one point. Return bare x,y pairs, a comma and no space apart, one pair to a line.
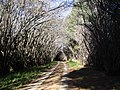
74,64
19,79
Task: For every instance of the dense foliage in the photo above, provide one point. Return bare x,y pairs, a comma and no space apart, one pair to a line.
28,34
76,30
101,34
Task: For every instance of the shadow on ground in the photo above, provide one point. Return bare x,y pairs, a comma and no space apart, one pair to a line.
87,78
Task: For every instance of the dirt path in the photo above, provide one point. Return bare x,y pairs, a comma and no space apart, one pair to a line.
63,78
54,81
51,81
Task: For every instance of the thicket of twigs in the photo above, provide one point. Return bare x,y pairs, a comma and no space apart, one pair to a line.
27,34
102,36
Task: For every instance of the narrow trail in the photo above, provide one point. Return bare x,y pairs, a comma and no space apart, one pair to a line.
62,77
53,80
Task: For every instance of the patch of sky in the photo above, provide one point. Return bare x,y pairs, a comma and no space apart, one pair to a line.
58,2
68,7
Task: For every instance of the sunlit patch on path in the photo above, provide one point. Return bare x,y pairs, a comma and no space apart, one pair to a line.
63,85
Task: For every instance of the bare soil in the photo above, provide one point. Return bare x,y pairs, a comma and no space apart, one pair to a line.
53,82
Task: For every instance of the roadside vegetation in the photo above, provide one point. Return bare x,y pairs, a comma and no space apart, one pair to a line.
97,24
18,79
74,64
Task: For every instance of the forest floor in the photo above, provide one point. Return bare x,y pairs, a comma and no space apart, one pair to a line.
73,76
